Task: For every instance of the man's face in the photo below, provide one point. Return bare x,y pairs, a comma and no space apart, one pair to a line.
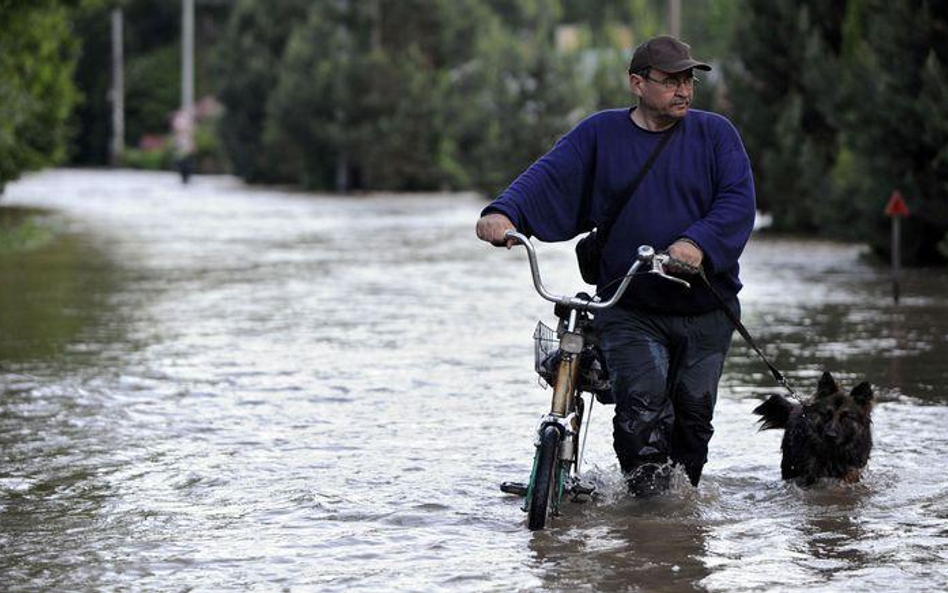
664,93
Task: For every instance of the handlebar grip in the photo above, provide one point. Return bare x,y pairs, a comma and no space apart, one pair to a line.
676,265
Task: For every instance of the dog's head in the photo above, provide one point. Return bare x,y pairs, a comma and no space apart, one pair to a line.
839,418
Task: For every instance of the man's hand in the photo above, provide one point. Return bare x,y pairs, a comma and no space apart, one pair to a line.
686,251
491,228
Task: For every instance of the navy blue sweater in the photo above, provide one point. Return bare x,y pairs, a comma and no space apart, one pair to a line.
700,187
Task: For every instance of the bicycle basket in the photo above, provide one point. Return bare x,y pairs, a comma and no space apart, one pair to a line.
546,347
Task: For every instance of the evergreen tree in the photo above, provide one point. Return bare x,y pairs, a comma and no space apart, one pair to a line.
515,98
357,103
784,89
898,129
417,94
247,68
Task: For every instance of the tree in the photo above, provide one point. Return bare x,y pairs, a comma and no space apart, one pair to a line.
37,94
515,98
246,68
362,93
152,56
416,94
839,104
898,127
785,91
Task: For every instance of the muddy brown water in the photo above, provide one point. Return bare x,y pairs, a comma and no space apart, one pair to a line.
222,387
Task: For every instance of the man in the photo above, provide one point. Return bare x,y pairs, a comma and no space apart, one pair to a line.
664,344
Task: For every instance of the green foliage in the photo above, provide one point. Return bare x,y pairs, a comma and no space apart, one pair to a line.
419,94
23,230
786,88
902,67
512,102
37,94
328,94
92,117
841,103
943,246
151,47
152,91
150,159
363,102
152,56
209,153
246,68
159,153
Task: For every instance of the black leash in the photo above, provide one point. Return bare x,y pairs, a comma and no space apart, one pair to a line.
699,271
778,376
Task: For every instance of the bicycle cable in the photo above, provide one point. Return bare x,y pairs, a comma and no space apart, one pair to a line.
682,265
586,423
600,290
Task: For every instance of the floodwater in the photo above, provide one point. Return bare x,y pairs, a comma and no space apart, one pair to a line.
221,387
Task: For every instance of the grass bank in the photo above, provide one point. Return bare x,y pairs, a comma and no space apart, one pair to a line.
25,229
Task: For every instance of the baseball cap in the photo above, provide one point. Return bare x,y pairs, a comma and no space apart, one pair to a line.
665,53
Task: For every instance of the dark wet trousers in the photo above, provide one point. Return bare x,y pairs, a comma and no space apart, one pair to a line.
665,371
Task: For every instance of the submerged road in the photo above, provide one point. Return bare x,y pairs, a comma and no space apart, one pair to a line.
226,387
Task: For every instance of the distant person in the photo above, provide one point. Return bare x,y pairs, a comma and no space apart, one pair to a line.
182,125
664,344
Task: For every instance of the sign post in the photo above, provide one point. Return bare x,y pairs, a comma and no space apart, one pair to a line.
896,209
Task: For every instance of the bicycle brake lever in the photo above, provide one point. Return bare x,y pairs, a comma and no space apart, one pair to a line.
681,281
658,267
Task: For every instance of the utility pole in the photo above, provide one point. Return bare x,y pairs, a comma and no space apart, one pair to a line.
183,121
187,56
117,146
376,24
674,18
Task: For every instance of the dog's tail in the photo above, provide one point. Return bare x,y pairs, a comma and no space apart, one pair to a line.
775,412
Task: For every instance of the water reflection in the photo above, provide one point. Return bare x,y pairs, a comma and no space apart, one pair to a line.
816,306
632,545
830,530
54,291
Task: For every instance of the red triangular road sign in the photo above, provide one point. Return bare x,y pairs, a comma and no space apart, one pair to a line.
896,205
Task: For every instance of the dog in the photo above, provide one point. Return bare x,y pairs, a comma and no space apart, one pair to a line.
829,436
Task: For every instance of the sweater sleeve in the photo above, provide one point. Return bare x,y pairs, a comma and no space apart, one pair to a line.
551,199
724,231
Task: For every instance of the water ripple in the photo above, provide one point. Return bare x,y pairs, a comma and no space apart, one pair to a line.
270,390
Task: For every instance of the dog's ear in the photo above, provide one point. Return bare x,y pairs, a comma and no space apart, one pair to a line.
862,394
826,386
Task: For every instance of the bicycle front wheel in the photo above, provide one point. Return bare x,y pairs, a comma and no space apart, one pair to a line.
544,479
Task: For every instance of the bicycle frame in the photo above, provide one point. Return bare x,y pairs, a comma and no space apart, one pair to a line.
564,414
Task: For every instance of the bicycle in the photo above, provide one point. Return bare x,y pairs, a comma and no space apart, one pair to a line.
569,360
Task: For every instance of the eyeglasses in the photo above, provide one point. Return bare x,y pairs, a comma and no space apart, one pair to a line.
671,83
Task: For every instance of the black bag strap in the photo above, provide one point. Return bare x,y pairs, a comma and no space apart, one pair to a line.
615,207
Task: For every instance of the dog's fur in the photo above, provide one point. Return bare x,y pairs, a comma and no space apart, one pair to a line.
827,437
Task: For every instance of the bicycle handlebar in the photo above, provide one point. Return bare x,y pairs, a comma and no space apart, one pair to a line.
646,256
